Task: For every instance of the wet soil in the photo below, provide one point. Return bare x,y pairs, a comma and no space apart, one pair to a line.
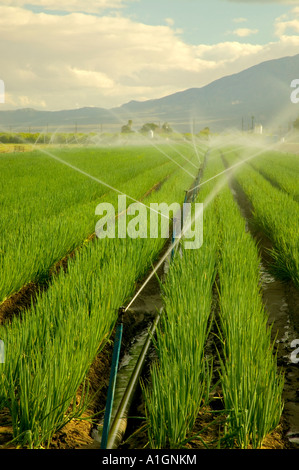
20,301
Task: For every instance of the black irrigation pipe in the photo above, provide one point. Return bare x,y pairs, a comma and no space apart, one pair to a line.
119,424
112,382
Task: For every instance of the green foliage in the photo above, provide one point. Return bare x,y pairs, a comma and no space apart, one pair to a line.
281,169
150,126
296,124
252,387
180,379
48,209
276,213
204,133
51,348
166,128
46,138
127,128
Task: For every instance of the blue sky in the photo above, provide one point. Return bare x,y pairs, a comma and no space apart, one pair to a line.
210,21
202,21
107,52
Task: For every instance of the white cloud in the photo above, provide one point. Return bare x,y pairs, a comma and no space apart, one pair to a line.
169,21
91,79
287,23
282,27
244,32
227,52
58,62
24,101
240,20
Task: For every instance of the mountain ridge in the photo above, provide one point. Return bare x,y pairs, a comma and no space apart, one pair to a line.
260,93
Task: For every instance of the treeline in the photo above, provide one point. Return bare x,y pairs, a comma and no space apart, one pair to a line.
92,137
146,128
47,138
296,124
151,127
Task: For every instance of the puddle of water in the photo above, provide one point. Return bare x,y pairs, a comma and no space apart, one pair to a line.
266,277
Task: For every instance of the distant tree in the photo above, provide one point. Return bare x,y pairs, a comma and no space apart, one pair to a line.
204,133
296,124
127,128
149,126
166,128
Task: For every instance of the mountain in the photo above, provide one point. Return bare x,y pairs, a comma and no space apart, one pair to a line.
262,92
23,119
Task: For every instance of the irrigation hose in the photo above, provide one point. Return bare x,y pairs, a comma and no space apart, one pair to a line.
112,382
119,424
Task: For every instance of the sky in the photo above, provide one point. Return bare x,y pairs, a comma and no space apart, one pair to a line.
104,53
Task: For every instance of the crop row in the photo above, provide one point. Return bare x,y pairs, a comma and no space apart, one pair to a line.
48,352
251,384
276,213
273,167
48,209
181,375
180,378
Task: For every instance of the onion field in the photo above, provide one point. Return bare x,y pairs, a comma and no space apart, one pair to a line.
214,379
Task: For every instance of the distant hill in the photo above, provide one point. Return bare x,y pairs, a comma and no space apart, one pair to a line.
262,91
62,120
